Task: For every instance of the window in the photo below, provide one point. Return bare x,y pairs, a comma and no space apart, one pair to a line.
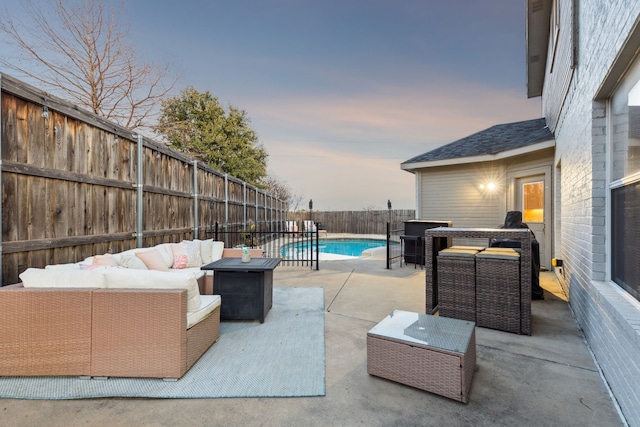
533,202
625,250
624,153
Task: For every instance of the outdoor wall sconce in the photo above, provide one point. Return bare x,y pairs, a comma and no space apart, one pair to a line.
489,186
116,139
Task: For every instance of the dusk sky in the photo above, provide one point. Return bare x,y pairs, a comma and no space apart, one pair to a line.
340,92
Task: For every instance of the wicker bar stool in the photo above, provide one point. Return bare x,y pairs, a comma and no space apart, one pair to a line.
457,279
498,289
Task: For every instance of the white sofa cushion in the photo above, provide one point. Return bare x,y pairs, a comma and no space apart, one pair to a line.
152,279
132,261
205,250
64,278
210,250
72,266
217,249
208,303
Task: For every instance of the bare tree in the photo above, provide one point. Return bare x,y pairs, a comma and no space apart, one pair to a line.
80,52
282,191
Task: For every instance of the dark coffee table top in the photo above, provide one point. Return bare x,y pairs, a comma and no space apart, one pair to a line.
236,264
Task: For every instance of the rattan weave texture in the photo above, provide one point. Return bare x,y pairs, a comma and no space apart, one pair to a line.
100,332
434,368
498,293
523,235
457,286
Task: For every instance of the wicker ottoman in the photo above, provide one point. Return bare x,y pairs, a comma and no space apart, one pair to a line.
498,289
432,353
457,283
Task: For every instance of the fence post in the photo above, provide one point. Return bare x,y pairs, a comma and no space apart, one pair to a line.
139,188
388,245
244,205
317,235
195,200
226,207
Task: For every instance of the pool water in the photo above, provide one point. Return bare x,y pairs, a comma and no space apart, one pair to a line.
346,247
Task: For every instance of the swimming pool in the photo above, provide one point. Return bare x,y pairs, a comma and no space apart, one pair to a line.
345,247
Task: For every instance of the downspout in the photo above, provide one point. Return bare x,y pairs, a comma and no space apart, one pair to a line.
418,197
139,188
195,200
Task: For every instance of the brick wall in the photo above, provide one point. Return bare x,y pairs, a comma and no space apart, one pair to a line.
609,318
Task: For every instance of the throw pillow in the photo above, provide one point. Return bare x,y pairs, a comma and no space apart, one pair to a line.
216,251
106,260
166,252
205,250
153,260
132,261
186,254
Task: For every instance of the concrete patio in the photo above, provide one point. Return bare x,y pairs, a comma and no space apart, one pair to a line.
546,379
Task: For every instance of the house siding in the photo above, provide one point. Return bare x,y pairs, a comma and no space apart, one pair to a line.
609,318
452,193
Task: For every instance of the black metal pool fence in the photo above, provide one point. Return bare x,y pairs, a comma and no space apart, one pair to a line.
295,247
273,238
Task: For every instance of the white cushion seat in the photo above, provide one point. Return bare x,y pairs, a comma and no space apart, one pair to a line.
208,303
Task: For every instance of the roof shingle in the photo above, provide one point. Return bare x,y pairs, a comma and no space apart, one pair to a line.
496,139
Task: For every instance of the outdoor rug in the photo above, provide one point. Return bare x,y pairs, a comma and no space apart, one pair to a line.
282,357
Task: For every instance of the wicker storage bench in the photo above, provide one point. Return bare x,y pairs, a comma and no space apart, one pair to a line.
432,353
498,289
457,279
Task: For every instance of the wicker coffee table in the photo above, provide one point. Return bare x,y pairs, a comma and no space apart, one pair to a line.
432,353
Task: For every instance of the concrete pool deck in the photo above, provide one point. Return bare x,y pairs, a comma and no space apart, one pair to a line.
546,379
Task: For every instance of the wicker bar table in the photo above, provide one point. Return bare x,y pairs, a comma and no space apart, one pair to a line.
521,234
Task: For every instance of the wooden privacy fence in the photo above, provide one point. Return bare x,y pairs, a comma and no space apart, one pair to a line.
75,185
356,222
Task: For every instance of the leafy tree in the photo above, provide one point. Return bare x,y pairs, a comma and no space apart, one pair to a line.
196,124
79,50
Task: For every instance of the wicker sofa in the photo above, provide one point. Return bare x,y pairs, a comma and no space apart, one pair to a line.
88,319
100,332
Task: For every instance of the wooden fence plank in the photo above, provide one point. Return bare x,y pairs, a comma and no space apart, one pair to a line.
69,190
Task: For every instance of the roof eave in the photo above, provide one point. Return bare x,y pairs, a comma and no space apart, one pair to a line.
412,167
537,34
